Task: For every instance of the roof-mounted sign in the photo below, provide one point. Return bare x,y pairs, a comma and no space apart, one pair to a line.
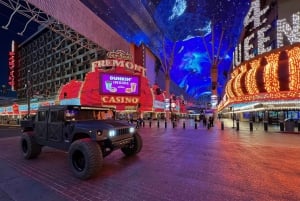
119,54
118,58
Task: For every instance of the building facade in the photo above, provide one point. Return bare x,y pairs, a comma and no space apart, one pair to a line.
265,79
47,60
44,63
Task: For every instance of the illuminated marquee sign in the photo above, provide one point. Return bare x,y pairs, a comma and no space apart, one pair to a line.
119,84
11,65
278,78
159,104
9,109
102,64
120,100
33,106
121,59
119,54
259,33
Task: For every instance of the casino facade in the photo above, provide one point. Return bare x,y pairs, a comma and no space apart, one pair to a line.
265,80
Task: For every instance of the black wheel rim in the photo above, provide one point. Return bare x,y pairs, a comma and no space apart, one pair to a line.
24,146
78,161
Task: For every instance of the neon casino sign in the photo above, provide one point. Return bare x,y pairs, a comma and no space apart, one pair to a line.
121,59
119,84
260,33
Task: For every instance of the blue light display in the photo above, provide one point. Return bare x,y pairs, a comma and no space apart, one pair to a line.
178,9
204,32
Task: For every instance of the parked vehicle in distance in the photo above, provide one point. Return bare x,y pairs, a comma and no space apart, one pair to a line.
87,133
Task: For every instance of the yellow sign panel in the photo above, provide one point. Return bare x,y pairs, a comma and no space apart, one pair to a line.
120,100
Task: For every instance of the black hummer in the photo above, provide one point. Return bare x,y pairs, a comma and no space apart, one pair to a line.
87,133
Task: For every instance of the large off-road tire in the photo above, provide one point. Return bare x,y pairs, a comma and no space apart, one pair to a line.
30,148
85,158
134,147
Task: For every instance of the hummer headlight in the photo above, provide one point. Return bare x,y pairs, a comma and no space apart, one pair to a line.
111,133
131,130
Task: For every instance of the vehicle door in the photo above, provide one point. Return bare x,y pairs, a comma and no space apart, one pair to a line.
40,124
55,125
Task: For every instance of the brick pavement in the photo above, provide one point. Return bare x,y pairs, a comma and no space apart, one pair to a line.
175,164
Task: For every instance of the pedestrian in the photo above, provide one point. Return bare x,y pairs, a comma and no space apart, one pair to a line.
204,121
210,121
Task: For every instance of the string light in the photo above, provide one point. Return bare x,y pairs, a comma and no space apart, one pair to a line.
237,82
254,14
235,72
262,39
229,90
237,55
251,84
257,29
294,72
292,34
271,81
248,47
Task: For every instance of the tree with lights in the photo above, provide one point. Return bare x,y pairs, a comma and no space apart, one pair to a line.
225,29
218,23
173,32
167,59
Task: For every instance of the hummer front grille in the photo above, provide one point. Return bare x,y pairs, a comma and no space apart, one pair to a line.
122,131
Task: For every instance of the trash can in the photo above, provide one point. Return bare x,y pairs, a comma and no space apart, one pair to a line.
289,125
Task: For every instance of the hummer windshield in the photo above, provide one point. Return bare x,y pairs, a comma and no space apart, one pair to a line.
88,113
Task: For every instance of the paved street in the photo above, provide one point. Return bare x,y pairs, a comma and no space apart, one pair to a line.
175,164
9,131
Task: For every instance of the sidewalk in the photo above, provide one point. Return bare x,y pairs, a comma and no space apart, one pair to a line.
16,186
175,164
257,126
228,124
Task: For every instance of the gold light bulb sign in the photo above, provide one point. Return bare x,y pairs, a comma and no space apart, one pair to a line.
251,85
294,72
272,76
271,81
230,85
237,82
229,90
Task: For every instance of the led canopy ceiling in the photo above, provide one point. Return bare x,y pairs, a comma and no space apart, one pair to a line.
196,34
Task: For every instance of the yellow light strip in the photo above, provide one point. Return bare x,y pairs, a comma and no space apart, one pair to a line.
237,82
229,91
271,79
294,72
271,73
251,85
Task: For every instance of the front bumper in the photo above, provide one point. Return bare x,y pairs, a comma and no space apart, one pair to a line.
121,142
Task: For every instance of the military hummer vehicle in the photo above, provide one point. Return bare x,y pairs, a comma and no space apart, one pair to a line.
88,134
